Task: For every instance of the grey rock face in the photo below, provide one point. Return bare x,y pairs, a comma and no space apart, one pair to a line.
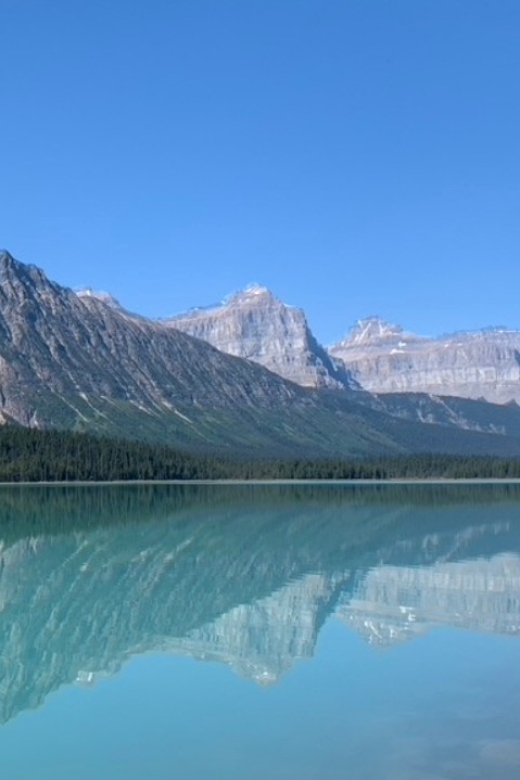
255,325
384,358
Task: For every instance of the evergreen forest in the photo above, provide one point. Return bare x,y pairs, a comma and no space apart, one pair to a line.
29,455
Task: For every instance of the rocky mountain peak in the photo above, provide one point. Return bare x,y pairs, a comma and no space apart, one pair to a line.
23,283
254,293
5,257
255,325
374,330
11,268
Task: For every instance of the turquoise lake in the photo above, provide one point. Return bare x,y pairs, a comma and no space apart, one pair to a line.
232,632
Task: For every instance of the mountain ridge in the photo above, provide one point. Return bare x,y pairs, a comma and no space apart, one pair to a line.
77,362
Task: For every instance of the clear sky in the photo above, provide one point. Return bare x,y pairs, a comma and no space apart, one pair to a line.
356,156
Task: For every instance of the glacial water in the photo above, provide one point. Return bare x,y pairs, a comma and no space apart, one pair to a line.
272,633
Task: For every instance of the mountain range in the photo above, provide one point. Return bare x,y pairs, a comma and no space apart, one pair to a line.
246,376
374,356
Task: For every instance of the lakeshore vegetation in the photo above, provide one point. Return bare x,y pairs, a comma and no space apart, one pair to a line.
29,455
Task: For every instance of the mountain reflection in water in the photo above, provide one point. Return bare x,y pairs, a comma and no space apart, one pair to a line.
244,575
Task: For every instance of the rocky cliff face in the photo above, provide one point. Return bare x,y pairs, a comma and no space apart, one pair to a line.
384,358
255,325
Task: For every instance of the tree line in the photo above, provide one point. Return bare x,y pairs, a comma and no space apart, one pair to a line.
29,455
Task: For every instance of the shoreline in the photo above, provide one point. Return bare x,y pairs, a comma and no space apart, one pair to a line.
273,482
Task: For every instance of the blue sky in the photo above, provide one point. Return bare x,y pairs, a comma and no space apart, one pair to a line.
356,156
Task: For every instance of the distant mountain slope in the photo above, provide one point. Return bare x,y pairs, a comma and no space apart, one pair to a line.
254,324
384,358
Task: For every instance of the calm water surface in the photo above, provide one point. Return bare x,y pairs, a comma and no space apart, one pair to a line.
304,633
